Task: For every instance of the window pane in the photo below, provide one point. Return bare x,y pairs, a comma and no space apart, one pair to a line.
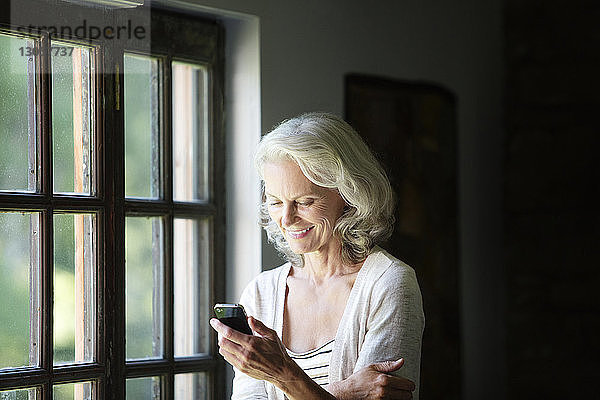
191,386
142,112
19,289
72,118
74,288
18,139
143,388
144,287
74,391
190,132
20,394
191,252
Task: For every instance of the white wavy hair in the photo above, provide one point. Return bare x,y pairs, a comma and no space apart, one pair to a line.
331,154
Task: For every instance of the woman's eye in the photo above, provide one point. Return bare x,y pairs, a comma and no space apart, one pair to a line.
274,203
305,203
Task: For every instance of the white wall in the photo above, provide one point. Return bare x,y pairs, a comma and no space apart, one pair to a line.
307,46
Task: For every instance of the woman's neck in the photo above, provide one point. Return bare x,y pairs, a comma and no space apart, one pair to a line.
321,266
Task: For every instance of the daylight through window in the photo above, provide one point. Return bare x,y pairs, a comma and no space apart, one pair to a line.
111,205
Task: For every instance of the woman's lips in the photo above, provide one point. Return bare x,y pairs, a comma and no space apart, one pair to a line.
299,234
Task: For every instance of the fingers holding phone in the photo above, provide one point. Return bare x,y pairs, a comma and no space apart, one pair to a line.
234,316
261,355
232,326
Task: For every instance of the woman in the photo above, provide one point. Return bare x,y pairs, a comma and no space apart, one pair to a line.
341,306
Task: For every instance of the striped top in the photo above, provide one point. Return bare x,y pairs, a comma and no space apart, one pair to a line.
315,362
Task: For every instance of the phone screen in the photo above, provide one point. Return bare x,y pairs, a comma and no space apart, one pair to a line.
234,316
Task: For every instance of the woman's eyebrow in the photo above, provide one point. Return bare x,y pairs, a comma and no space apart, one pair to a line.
307,194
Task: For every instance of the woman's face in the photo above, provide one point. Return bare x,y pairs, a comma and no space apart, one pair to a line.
306,213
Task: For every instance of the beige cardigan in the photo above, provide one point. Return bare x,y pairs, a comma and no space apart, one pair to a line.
383,320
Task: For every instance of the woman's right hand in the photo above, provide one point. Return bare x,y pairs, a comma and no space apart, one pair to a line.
264,357
374,382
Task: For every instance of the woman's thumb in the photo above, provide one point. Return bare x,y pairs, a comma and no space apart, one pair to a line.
259,327
389,366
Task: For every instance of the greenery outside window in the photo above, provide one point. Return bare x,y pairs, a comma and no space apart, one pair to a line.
111,205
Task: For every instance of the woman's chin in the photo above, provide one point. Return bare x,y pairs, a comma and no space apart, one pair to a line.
303,251
300,250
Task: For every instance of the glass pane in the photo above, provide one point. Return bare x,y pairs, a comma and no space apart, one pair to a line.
20,394
74,288
190,132
143,388
191,263
191,386
142,112
72,118
18,139
74,391
144,287
19,289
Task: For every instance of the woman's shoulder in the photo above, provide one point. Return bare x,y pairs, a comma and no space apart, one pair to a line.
269,280
262,293
272,275
393,282
381,261
385,273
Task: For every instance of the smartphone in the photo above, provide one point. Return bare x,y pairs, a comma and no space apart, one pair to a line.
234,316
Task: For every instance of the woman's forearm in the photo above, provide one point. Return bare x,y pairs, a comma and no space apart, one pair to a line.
298,386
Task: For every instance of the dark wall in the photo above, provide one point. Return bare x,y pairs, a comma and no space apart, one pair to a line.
551,198
411,127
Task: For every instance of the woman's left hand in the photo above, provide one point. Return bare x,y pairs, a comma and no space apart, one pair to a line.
262,357
375,382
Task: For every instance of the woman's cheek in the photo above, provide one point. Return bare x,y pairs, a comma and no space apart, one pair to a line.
274,215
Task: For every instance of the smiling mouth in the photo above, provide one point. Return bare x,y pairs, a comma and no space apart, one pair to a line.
299,234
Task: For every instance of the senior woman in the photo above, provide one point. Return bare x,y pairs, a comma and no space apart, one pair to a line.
342,318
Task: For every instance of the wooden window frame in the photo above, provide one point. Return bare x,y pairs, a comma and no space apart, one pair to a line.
110,370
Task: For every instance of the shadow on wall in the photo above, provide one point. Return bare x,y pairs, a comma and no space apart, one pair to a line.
412,129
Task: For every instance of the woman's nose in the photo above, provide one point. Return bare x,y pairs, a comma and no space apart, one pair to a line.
289,215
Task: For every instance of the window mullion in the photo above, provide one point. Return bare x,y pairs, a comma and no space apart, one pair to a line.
168,305
167,129
47,226
217,161
167,165
45,115
47,296
114,223
47,231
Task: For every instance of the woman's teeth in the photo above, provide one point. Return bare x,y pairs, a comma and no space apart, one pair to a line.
299,234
